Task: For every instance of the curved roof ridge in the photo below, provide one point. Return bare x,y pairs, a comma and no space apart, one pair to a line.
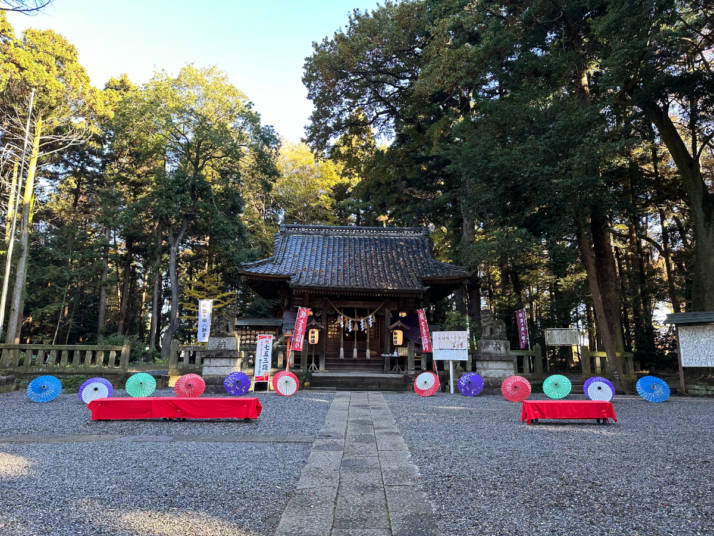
297,228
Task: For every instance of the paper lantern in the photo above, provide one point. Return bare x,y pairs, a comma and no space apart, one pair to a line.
397,337
313,336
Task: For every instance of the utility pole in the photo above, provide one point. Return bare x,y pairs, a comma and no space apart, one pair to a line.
10,247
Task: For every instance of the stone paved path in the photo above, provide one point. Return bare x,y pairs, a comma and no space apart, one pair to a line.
358,480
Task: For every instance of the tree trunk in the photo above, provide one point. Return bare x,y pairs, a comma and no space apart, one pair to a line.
474,293
473,286
17,303
125,292
602,311
156,291
607,274
11,204
174,243
667,254
701,205
101,316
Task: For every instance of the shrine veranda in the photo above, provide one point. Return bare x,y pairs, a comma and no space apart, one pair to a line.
478,468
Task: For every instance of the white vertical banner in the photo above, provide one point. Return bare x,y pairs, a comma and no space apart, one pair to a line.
263,354
204,319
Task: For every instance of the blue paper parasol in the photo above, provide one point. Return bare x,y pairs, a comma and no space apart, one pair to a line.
470,384
140,385
44,389
652,389
95,388
557,386
598,388
236,383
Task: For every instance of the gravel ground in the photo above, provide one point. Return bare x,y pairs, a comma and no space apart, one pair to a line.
651,474
71,476
300,415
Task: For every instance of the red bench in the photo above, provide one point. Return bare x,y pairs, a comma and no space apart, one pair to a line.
533,410
170,407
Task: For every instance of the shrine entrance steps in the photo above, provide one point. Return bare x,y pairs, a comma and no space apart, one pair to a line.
360,381
335,364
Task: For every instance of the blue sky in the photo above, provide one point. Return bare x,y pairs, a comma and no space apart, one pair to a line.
261,45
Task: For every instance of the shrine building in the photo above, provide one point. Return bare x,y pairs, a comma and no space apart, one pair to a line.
363,286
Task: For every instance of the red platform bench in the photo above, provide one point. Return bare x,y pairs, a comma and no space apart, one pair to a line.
170,407
533,410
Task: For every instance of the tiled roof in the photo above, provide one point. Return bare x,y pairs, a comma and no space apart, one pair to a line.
361,258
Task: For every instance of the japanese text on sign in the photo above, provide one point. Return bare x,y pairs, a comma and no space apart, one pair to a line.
263,353
300,325
424,331
204,319
522,323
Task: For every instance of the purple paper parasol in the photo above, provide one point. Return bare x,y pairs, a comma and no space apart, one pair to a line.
470,384
595,388
236,383
95,388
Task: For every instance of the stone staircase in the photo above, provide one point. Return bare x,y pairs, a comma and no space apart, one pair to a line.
360,381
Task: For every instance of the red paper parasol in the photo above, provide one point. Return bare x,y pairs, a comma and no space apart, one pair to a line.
190,385
516,388
285,383
426,384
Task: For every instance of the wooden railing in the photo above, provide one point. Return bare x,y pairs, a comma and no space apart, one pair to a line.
528,363
596,363
64,359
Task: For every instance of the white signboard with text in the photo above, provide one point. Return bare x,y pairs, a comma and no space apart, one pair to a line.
696,344
562,337
204,319
450,345
263,354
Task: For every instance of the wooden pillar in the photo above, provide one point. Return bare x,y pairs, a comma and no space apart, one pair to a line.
303,357
682,384
323,346
387,339
585,361
410,357
355,331
366,354
538,361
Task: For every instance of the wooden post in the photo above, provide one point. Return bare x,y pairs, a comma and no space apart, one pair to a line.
125,352
173,357
682,384
366,354
538,361
585,361
410,357
387,339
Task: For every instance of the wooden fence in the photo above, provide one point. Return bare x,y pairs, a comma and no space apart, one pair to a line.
596,363
64,359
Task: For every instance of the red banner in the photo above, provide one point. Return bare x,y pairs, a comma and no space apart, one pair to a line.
300,325
522,323
424,330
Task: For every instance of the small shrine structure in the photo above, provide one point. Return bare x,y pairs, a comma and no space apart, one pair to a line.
362,284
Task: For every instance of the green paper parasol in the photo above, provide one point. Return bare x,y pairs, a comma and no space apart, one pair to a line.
140,384
557,386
